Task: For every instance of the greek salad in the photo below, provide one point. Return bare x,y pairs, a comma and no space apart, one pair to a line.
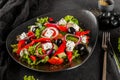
52,42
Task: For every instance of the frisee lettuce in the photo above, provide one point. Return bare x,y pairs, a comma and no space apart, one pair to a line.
70,18
29,77
14,46
75,54
42,20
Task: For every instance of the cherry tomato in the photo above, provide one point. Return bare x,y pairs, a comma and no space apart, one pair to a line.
55,60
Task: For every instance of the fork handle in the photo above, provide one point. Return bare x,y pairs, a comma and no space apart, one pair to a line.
104,66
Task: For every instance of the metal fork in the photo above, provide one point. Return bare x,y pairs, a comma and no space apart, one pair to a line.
105,38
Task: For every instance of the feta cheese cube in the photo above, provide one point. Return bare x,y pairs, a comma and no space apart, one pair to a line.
70,45
48,33
76,27
84,39
62,22
23,36
47,46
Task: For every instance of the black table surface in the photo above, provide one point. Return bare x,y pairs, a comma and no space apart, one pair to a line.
16,12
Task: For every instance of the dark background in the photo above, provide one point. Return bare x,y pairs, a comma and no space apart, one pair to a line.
16,12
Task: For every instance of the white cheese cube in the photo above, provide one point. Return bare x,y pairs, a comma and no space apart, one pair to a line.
23,36
70,45
47,46
62,22
76,27
48,33
84,39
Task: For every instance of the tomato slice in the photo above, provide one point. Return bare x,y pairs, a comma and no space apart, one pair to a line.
59,36
55,60
33,58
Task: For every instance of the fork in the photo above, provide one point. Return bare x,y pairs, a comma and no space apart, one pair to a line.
105,38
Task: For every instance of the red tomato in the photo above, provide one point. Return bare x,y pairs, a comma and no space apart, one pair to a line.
60,36
33,58
55,60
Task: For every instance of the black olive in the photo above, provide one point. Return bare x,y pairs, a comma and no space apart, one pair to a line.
71,30
34,29
112,18
105,21
27,41
106,14
58,42
114,23
118,19
115,14
81,49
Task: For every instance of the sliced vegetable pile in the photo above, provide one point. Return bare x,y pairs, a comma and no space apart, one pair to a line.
53,42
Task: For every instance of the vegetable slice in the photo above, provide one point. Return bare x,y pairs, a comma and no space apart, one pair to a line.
55,60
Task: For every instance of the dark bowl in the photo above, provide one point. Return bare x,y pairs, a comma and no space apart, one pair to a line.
109,7
85,17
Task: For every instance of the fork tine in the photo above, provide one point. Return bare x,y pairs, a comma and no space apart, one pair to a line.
109,36
105,36
103,39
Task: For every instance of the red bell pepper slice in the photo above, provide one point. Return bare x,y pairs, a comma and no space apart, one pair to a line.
30,44
82,33
33,58
50,25
69,55
55,60
20,45
26,46
62,28
61,48
31,34
42,40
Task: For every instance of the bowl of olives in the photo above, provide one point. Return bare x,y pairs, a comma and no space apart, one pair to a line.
109,20
106,5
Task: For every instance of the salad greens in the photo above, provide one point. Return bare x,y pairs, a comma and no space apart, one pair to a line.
14,46
70,18
42,20
47,41
29,77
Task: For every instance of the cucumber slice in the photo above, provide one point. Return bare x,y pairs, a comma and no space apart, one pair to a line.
62,55
55,47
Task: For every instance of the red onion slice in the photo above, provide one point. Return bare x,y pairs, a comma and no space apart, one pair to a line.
51,28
